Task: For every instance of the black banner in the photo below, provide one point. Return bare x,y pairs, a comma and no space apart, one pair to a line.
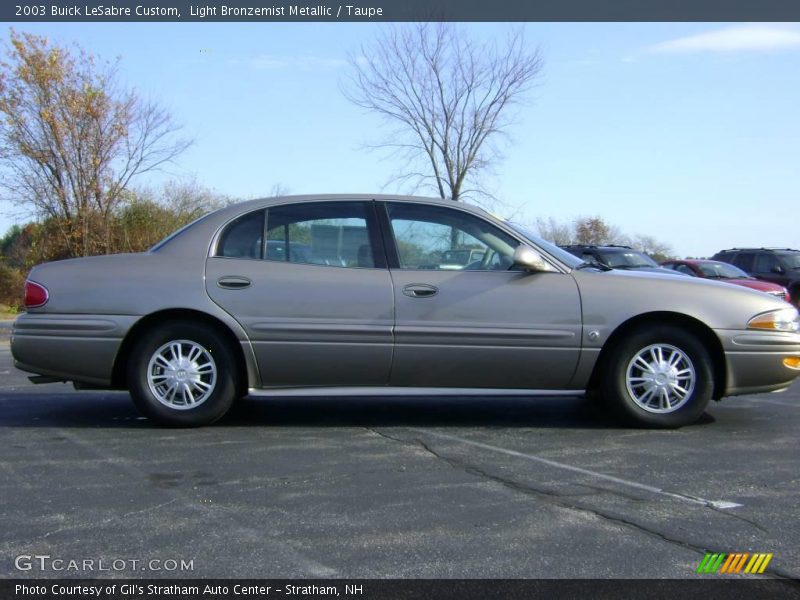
402,10
394,589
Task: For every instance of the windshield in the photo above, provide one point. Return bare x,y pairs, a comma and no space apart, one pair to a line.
791,259
627,259
721,270
563,256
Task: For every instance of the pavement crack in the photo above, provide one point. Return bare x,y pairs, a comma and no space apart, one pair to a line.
562,501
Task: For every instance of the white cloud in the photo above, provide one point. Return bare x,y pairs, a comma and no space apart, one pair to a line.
743,38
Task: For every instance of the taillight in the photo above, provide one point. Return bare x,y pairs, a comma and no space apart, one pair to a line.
35,295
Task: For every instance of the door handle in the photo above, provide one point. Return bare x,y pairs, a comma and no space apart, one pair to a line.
420,290
233,282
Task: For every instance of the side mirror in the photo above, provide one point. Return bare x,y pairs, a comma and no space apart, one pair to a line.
529,259
777,269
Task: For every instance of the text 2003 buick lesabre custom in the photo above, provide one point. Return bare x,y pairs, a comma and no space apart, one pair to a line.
348,294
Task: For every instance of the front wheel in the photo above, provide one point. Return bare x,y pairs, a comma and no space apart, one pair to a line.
182,374
659,376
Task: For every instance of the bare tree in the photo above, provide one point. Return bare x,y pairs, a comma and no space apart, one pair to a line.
594,230
450,98
656,249
553,231
71,140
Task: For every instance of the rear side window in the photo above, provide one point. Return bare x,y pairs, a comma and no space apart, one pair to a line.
324,233
744,260
242,238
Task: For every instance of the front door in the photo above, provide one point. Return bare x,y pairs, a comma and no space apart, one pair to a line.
464,317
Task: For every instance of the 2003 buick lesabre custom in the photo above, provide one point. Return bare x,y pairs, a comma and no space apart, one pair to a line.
327,294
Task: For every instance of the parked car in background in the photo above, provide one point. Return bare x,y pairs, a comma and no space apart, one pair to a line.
714,269
319,295
778,265
616,257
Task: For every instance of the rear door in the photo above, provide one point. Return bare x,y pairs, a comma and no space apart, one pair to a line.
313,294
477,324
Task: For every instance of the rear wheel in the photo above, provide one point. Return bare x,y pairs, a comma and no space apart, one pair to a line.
182,374
659,376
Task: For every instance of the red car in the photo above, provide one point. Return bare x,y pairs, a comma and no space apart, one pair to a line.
714,269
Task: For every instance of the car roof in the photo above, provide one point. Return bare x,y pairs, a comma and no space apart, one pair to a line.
696,261
765,249
205,227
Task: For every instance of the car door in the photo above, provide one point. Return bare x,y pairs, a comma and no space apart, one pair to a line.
313,294
479,324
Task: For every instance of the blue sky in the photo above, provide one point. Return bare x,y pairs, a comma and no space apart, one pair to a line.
688,132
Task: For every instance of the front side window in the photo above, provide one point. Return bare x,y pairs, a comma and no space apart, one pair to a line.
433,237
765,263
324,233
686,270
242,238
791,260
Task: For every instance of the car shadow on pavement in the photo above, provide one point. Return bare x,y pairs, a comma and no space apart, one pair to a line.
104,409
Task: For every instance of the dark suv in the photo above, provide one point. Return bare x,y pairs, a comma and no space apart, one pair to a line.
778,265
616,257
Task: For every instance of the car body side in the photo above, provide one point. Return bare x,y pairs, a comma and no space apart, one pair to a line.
99,305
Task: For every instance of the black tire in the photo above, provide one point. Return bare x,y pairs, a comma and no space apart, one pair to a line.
794,295
216,395
668,409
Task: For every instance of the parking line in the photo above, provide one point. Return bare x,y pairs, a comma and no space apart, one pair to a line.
718,504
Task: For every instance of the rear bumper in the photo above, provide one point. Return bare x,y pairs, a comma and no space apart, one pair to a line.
70,347
754,361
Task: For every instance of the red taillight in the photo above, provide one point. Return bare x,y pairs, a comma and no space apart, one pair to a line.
35,295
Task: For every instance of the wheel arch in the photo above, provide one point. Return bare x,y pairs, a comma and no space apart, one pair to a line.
703,332
153,320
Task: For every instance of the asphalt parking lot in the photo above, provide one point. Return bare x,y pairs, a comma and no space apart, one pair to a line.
391,487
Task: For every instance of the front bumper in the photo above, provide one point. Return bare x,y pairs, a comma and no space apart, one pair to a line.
754,360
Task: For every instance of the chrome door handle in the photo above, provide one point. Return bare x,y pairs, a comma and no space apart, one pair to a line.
420,290
233,282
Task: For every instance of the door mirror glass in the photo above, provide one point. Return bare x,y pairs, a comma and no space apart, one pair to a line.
529,259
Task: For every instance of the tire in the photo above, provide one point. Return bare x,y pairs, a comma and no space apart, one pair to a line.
659,376
182,374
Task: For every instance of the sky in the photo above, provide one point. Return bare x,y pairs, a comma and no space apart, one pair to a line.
688,132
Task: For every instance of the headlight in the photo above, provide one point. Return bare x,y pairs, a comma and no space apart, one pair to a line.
784,319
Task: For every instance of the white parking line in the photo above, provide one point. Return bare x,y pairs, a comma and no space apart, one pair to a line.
720,504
